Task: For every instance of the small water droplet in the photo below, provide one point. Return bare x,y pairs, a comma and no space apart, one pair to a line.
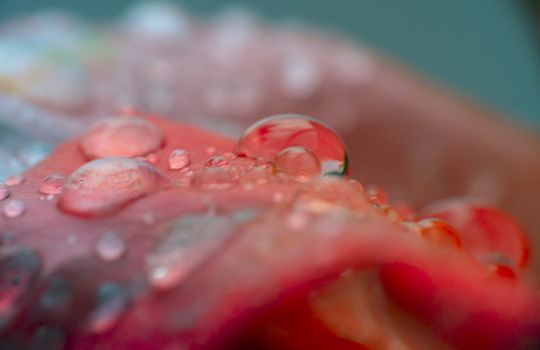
298,162
439,232
121,137
110,247
19,271
14,180
111,302
269,136
13,208
57,294
215,178
106,185
52,184
4,191
179,159
48,338
185,244
152,158
216,161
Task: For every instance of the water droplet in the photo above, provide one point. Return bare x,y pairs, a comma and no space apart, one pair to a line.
152,158
57,294
14,208
215,178
110,247
298,162
19,271
216,161
438,231
179,159
111,302
14,180
52,184
268,137
106,185
48,338
4,191
121,137
186,243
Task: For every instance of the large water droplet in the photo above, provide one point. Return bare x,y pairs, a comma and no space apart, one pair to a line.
121,137
110,247
271,135
179,159
4,191
52,184
19,270
298,162
14,208
106,185
111,302
186,243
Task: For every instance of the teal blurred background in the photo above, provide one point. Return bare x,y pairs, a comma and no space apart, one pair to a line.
485,49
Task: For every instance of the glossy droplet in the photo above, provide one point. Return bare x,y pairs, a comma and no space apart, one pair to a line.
271,135
179,159
19,271
185,244
298,162
14,180
49,338
110,247
14,208
106,185
215,178
216,161
439,232
111,301
52,184
4,191
121,137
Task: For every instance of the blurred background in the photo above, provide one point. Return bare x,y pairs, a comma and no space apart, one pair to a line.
485,49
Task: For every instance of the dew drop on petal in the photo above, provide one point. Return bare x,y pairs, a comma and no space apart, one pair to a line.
298,162
4,191
104,186
47,337
215,178
111,302
439,232
179,159
110,247
19,271
269,136
52,184
121,137
13,208
185,244
14,180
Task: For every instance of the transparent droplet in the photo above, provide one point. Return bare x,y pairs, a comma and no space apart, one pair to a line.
298,162
19,271
121,137
215,178
152,158
14,208
185,244
57,293
216,161
179,159
439,232
4,191
111,302
268,137
14,180
49,338
106,185
110,247
52,184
